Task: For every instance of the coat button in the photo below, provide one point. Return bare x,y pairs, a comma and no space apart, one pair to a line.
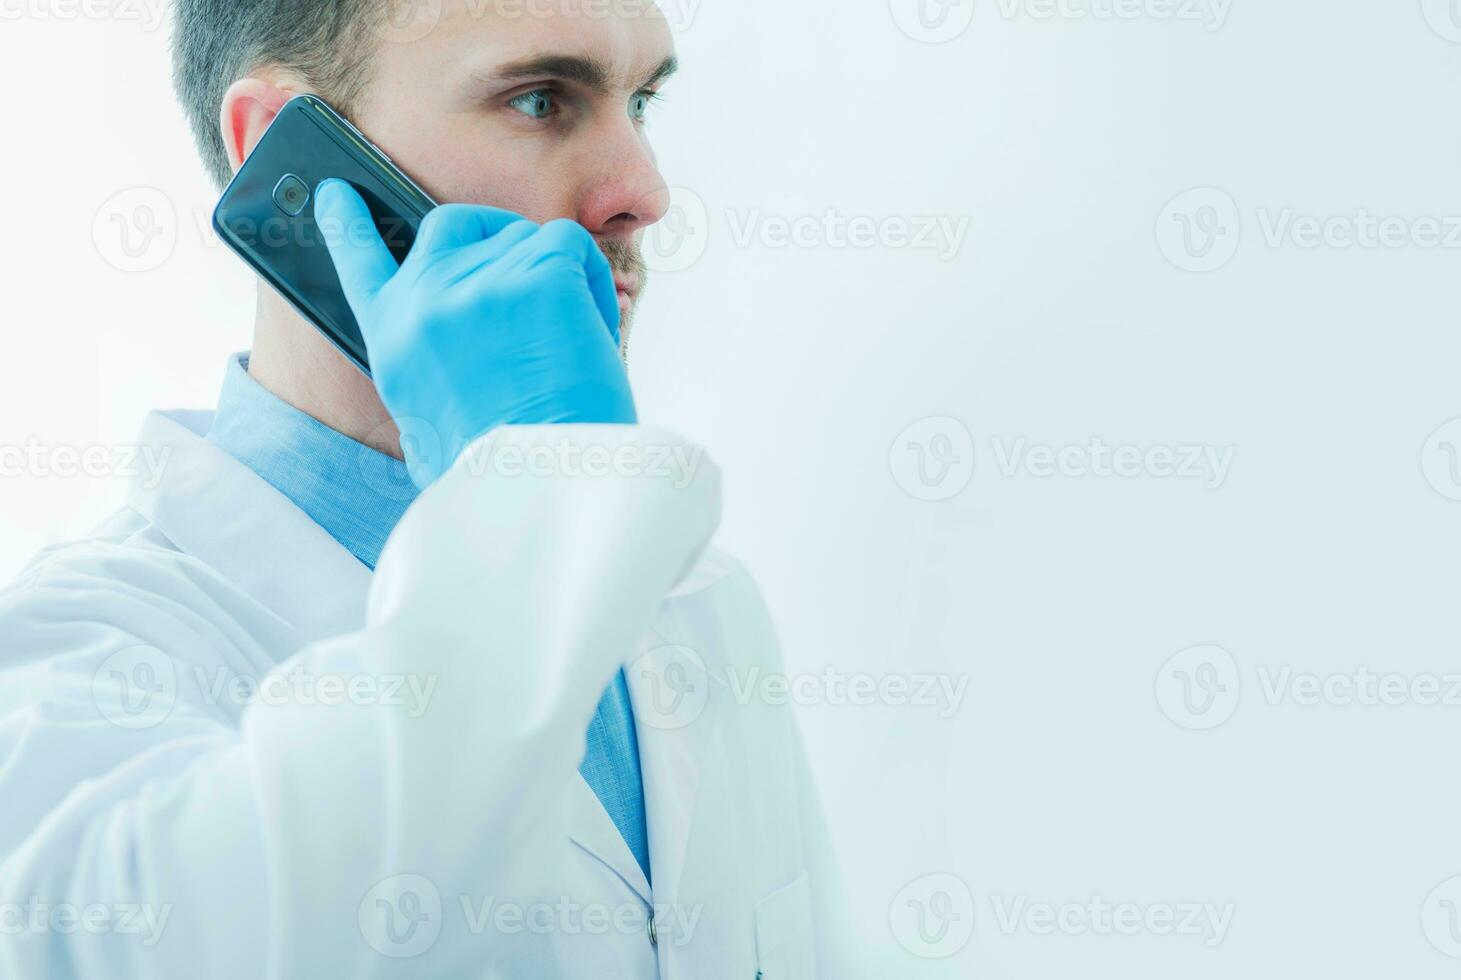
649,927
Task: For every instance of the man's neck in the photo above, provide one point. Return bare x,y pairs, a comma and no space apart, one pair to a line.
293,361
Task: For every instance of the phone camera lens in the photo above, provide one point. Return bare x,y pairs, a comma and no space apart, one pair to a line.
291,195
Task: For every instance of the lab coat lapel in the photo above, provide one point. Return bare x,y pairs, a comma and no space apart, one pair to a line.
673,693
591,828
219,511
675,696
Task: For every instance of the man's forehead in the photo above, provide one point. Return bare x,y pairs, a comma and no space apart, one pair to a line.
608,44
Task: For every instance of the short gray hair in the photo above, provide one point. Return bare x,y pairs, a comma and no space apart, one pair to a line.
329,43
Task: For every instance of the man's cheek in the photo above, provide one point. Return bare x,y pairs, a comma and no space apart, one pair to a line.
526,196
453,174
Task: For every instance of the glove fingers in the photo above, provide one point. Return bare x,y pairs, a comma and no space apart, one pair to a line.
573,239
453,226
361,258
468,259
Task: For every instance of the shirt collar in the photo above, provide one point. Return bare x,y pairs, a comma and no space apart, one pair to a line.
355,493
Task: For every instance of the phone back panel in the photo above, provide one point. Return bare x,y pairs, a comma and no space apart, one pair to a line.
310,141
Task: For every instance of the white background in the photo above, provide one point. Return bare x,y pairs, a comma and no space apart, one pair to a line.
1072,769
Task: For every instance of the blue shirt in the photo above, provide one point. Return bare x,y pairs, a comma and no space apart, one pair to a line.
357,495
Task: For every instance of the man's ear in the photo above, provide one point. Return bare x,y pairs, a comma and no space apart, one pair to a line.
249,106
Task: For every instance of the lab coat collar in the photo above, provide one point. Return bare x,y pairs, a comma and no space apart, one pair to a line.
219,511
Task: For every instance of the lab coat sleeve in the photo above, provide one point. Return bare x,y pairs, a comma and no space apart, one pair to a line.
512,590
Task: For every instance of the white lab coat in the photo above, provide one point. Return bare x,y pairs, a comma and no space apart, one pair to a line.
157,822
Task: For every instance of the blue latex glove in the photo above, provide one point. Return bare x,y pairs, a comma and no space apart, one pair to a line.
491,320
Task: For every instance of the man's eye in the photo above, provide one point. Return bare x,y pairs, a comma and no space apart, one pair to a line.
539,103
639,104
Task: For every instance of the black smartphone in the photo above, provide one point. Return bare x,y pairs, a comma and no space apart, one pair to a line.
266,214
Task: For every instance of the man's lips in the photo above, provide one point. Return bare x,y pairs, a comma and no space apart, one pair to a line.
627,266
627,287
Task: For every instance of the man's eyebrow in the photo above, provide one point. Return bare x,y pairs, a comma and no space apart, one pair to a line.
586,71
666,68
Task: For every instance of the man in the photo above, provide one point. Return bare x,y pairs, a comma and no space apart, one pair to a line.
240,736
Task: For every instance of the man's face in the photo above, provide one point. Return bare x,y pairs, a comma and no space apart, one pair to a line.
535,106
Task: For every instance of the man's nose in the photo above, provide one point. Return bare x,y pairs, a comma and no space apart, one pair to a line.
625,191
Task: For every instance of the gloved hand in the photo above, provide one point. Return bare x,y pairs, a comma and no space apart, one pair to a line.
491,320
